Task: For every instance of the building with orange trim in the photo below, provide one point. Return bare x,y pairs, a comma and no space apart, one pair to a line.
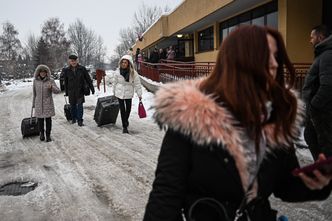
196,28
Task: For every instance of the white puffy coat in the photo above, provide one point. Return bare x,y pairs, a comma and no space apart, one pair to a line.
123,89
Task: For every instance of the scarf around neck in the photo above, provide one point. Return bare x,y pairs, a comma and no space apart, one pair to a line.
125,73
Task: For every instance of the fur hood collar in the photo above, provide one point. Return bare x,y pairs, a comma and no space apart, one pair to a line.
42,67
182,107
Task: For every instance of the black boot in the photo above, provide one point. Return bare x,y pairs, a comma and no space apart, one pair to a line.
48,138
80,123
42,136
125,130
41,129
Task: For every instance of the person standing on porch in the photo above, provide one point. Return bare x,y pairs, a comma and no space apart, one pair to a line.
170,53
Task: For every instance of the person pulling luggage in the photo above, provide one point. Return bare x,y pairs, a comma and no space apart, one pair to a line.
126,80
43,87
77,84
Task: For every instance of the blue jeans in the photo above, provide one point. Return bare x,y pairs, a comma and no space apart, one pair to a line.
77,112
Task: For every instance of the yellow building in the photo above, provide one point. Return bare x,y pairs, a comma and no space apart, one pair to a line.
197,27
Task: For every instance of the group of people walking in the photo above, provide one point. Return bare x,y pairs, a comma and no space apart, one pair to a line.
77,84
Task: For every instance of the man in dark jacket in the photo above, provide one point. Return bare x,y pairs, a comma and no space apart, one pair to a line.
77,84
317,94
154,57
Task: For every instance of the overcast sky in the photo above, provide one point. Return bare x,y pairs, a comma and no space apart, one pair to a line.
105,17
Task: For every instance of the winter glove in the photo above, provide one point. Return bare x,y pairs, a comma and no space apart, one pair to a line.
93,91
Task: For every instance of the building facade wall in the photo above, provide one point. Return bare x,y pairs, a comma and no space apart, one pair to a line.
155,33
179,19
210,56
197,9
296,20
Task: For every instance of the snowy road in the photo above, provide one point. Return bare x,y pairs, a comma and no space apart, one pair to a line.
90,173
86,173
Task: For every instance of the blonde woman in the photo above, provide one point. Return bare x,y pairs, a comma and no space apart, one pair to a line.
126,81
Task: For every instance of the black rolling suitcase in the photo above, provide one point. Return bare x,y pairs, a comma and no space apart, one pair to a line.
67,111
98,105
107,110
29,126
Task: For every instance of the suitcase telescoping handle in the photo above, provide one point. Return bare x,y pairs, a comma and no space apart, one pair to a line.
66,100
31,115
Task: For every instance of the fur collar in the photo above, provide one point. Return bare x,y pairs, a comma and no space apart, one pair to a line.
42,67
182,107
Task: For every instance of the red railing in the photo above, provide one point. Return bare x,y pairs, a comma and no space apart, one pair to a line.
174,71
166,72
301,70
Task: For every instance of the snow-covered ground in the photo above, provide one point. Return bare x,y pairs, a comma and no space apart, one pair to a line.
90,172
15,84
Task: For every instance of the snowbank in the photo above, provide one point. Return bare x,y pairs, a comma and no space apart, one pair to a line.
15,84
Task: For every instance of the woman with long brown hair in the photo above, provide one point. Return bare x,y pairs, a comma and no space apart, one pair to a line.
229,139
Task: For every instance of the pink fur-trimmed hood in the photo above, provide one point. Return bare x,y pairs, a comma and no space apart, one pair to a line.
182,107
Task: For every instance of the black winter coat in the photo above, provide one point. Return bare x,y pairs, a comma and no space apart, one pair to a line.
202,156
154,57
317,89
75,80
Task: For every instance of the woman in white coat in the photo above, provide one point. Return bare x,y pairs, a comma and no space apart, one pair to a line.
126,81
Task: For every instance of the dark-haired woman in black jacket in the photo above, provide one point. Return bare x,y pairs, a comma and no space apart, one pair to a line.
229,139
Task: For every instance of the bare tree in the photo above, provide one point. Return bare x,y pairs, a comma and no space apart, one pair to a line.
10,48
146,16
83,41
99,53
28,53
142,20
10,45
114,61
53,35
128,37
89,47
30,46
120,50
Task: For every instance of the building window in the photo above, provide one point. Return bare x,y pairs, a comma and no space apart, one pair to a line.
272,20
224,33
258,21
206,40
264,15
